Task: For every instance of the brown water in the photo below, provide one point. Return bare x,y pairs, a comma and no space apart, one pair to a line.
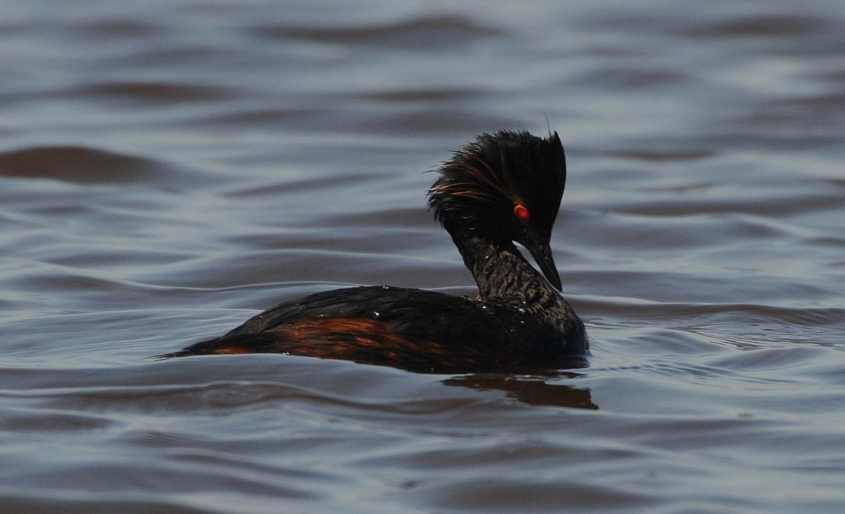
170,168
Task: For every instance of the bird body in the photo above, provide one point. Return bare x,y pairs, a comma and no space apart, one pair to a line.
501,188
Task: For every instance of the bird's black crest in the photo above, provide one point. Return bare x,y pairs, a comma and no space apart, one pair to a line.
484,179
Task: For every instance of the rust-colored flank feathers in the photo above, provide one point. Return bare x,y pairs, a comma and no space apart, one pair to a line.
335,338
346,338
499,189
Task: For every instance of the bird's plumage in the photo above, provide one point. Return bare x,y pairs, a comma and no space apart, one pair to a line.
500,188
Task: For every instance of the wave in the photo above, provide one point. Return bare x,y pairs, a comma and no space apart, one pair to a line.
84,164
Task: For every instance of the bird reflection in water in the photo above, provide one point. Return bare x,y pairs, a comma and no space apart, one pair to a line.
530,389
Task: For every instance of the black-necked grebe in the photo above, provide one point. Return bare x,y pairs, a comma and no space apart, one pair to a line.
500,189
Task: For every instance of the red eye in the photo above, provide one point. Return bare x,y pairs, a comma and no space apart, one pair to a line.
521,212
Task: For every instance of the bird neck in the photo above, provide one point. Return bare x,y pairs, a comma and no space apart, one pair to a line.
503,275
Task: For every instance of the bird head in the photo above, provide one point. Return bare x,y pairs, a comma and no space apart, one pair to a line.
504,187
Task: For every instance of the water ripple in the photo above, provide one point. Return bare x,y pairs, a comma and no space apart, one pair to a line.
431,31
82,165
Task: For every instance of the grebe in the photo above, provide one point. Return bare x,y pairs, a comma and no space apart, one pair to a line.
499,189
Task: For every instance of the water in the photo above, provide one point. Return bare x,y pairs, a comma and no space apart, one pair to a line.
168,169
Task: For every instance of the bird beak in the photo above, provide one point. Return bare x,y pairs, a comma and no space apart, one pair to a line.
541,250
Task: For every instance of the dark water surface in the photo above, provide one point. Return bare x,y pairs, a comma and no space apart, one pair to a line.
170,168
